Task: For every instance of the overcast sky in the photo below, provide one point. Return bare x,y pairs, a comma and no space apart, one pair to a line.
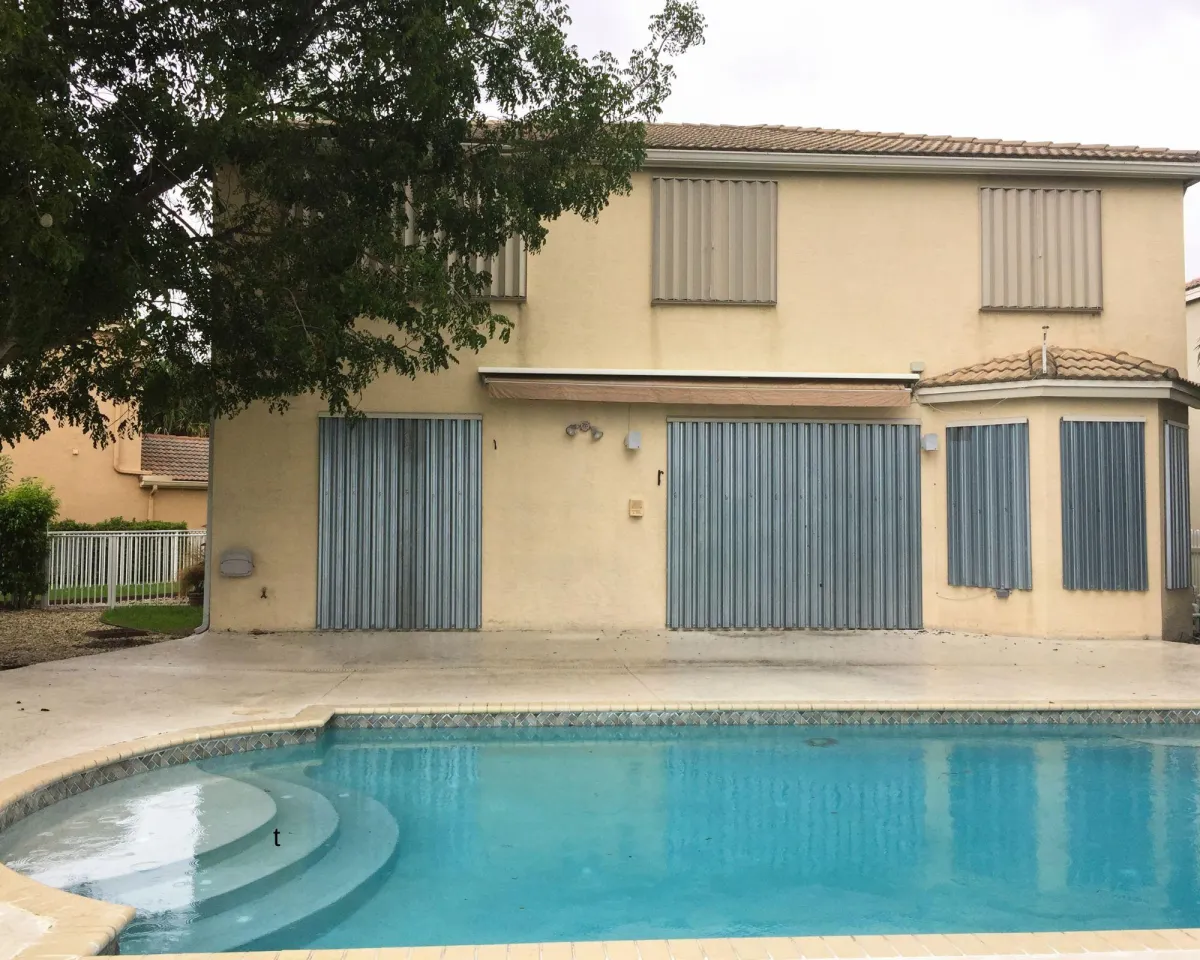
1092,71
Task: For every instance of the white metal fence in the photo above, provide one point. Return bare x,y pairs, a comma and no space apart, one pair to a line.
105,568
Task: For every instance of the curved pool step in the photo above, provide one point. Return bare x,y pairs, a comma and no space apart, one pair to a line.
365,842
176,815
307,823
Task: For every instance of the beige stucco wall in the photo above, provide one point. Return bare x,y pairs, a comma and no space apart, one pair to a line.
561,552
874,273
94,483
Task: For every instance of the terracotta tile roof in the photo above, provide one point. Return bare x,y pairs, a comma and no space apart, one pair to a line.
181,458
704,136
1192,284
1072,363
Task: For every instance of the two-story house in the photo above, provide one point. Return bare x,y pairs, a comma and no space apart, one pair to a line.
795,379
137,476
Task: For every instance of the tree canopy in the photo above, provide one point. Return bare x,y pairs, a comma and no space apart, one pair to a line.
199,199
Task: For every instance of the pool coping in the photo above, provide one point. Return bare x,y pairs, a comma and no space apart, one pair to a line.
80,926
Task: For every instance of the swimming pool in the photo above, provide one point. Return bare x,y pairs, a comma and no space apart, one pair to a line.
411,837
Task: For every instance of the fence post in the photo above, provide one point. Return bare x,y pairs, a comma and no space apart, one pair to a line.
114,542
49,568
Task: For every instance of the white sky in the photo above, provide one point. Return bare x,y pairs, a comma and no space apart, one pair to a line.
1092,71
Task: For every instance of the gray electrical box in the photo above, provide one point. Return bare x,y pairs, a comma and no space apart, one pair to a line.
236,563
929,442
633,440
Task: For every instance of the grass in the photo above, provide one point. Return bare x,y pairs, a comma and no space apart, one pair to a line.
156,618
99,592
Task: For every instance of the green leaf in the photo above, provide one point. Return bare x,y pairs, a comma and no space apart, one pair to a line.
199,201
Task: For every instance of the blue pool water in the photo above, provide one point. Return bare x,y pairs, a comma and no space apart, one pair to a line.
430,837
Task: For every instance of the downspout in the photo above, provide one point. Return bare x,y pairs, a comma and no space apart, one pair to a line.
150,504
208,538
117,454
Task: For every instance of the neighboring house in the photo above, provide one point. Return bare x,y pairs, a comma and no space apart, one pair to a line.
794,379
1191,296
150,477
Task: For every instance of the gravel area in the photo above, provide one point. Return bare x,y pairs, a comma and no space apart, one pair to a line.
35,636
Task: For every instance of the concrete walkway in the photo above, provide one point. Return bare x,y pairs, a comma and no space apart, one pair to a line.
54,710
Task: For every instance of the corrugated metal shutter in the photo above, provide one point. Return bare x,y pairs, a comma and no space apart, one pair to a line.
398,534
507,267
793,524
1178,510
1041,249
1103,504
987,474
714,240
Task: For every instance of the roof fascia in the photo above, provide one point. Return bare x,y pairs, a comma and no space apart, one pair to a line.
768,161
1177,390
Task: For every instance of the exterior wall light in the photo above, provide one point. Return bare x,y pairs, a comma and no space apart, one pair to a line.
583,426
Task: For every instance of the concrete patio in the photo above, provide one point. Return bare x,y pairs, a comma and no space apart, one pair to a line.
53,710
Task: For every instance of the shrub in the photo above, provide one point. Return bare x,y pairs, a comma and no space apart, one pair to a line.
5,472
192,579
26,511
119,523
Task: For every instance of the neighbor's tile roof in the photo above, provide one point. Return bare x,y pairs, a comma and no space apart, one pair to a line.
705,136
1192,284
181,458
1061,362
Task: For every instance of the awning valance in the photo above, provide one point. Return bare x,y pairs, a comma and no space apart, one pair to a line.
699,387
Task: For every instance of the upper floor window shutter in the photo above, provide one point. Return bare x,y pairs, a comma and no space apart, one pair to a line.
714,240
507,269
1041,249
506,266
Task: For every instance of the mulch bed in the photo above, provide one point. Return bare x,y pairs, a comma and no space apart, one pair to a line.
36,636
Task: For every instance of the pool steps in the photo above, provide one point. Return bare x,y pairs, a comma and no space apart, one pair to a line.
308,825
267,898
230,815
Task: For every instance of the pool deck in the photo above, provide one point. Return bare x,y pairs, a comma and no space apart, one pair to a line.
54,710
76,714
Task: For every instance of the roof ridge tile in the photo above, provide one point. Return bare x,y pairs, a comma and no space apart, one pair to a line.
1067,363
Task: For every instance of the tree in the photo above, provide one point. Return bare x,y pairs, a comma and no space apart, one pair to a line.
199,199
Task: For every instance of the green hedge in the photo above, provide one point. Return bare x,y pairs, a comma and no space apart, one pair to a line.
25,511
119,523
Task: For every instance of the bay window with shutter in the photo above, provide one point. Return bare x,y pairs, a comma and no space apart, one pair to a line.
988,522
